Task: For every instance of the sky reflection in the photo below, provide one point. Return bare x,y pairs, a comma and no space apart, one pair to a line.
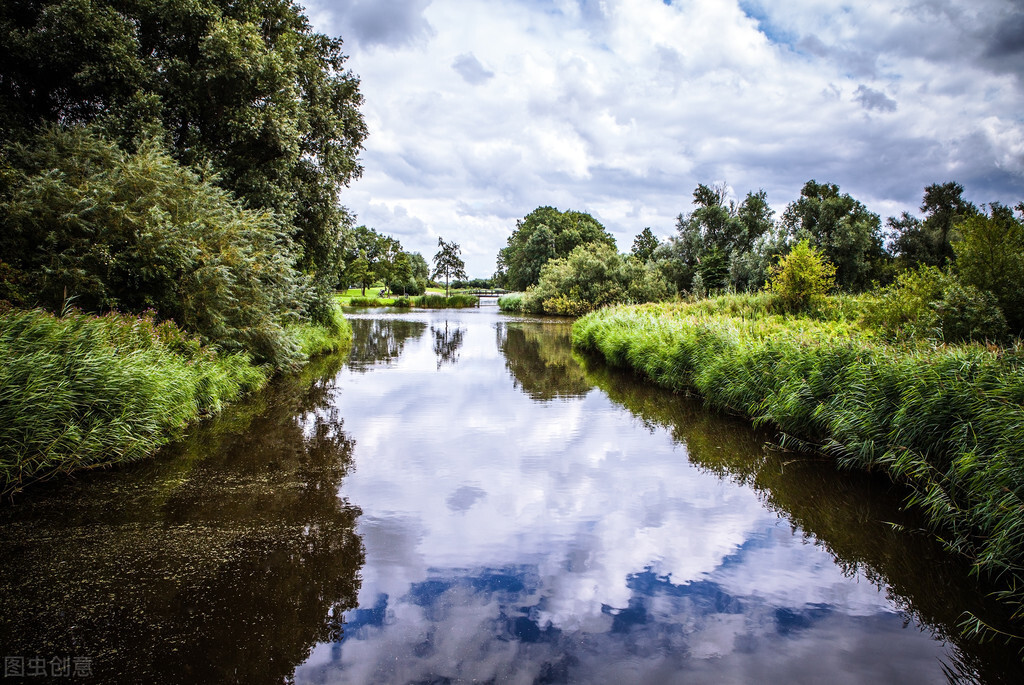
519,526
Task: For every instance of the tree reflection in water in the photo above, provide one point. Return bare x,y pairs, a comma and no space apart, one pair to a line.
380,341
447,342
539,357
225,559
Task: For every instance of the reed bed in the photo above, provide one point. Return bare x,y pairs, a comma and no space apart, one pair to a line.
513,303
82,391
424,301
946,421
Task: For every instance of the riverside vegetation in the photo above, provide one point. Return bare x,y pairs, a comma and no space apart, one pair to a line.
846,376
172,232
920,378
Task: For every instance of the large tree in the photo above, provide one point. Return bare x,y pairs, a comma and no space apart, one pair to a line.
930,241
842,228
544,234
243,88
715,234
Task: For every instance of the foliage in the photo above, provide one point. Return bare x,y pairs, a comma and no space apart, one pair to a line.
448,263
842,228
645,244
542,235
593,276
246,88
474,284
711,238
105,229
947,422
930,303
512,302
801,277
990,257
316,338
82,391
929,242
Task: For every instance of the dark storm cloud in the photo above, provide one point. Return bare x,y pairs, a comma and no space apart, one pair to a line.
470,69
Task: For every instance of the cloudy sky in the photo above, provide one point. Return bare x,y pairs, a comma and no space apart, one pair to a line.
480,111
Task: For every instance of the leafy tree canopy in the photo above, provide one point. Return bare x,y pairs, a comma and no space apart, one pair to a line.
645,244
245,86
930,241
544,234
848,235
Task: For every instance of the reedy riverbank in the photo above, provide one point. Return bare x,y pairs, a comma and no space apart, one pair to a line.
82,391
428,301
946,421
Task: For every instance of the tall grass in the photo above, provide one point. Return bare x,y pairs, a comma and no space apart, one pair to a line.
428,301
947,421
513,302
315,339
442,302
81,391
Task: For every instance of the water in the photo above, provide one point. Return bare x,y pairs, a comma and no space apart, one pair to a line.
462,500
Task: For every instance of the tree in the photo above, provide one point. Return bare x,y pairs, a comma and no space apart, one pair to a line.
592,276
645,244
930,241
244,90
714,235
847,234
448,263
545,233
990,256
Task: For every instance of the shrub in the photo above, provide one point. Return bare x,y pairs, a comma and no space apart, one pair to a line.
592,276
929,303
801,278
512,302
134,232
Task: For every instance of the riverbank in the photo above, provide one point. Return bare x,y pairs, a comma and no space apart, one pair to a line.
946,421
82,391
428,301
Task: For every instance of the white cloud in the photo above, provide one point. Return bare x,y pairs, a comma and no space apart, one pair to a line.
480,112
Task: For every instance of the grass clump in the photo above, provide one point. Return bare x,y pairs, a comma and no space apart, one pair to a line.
946,421
80,391
512,302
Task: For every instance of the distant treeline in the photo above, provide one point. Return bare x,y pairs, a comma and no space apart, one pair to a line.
959,261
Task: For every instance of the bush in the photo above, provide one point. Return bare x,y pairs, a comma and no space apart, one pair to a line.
928,303
87,222
592,276
83,391
801,278
512,302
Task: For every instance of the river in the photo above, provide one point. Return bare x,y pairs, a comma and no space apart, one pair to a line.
461,499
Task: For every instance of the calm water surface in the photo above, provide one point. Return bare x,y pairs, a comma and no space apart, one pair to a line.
462,500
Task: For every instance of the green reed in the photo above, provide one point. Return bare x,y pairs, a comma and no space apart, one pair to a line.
83,391
946,421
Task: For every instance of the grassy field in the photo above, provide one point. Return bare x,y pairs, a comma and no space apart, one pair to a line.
946,421
83,391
